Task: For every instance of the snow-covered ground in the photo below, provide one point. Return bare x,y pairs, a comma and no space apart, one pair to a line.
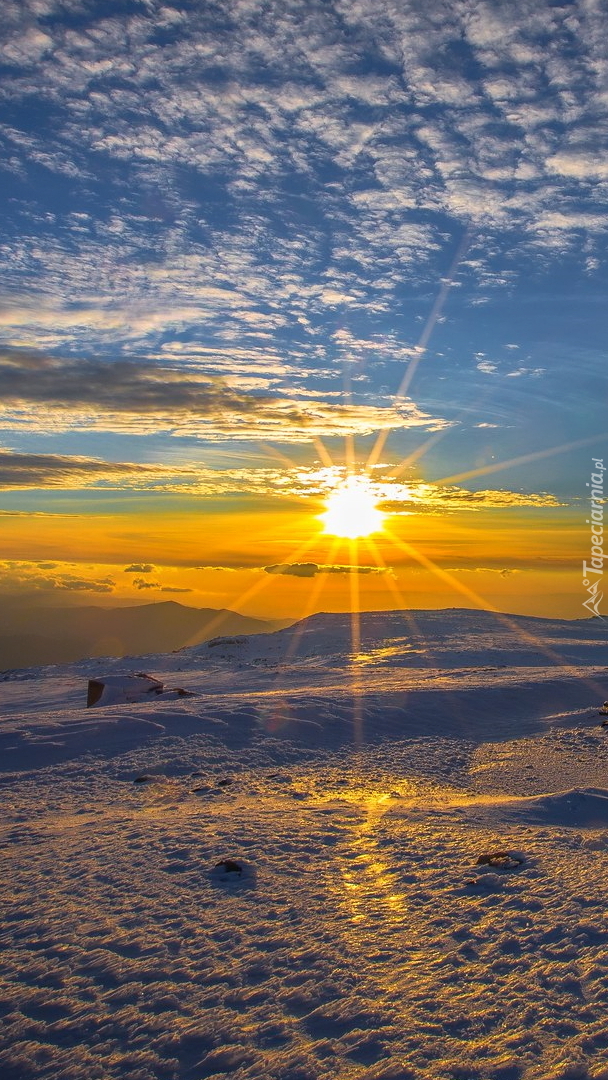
356,775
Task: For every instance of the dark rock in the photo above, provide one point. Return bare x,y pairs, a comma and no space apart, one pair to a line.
500,860
234,872
229,866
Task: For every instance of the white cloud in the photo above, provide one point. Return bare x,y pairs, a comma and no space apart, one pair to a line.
581,164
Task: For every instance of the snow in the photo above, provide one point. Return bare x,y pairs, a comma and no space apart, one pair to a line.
121,689
356,788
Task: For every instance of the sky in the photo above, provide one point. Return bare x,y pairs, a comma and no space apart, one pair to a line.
250,249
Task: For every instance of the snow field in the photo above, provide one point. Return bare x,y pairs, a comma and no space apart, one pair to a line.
366,941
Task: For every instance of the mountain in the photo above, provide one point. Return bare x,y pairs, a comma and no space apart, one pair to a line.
35,635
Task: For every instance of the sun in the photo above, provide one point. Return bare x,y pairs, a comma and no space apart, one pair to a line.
352,510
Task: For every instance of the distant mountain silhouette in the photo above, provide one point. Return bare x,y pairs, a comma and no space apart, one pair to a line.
35,635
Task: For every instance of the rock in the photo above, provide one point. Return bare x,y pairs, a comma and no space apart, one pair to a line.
229,866
122,689
500,860
234,872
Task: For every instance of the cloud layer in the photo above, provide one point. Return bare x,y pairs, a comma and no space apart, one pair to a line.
288,483
139,399
255,171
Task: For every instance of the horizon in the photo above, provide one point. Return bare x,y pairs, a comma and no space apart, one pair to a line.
46,603
37,634
306,309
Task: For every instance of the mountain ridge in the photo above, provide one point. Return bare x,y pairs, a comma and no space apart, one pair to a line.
40,635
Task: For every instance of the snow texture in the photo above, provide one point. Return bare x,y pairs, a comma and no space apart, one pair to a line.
381,862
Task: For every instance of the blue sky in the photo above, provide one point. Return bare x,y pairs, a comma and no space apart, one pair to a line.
231,229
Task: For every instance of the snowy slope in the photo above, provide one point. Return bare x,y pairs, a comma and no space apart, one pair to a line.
357,775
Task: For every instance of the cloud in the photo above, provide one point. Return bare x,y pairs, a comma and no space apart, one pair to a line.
434,498
22,471
126,397
582,164
24,577
503,571
293,569
308,570
106,585
232,360
40,471
49,577
34,514
224,569
139,568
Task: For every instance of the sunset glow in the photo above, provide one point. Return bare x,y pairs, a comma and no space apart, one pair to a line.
260,293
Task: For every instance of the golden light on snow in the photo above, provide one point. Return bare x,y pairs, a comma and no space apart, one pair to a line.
352,510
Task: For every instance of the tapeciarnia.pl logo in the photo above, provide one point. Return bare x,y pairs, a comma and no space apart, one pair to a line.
593,571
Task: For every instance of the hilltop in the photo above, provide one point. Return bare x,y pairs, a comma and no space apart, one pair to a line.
35,634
